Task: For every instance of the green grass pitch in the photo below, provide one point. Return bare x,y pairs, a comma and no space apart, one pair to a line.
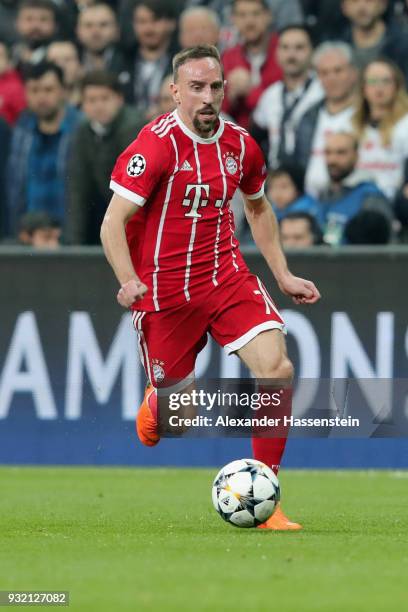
149,539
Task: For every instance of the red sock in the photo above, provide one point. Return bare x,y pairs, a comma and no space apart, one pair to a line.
269,451
269,445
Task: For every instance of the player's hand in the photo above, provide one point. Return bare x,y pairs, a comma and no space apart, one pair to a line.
130,292
300,290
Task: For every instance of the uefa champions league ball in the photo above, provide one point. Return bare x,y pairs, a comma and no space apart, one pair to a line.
245,492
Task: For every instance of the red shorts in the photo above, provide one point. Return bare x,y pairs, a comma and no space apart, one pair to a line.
233,313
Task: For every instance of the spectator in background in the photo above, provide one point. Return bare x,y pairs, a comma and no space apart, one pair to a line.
40,231
300,231
37,169
154,25
336,72
98,35
8,14
370,35
285,12
64,53
108,128
37,26
250,67
198,26
12,97
284,103
286,192
166,102
4,148
346,195
368,227
381,124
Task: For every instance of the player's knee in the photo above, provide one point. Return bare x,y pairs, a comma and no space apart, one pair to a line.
281,368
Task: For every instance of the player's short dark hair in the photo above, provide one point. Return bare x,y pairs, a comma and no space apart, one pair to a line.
33,72
297,26
264,3
46,5
161,9
101,78
314,227
194,53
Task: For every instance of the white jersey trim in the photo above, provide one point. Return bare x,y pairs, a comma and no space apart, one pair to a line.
161,225
177,387
193,232
194,136
220,215
255,196
237,344
126,193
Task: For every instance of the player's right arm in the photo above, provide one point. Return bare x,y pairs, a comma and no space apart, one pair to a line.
137,172
113,238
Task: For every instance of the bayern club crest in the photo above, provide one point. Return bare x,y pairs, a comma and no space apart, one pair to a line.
136,165
231,163
158,371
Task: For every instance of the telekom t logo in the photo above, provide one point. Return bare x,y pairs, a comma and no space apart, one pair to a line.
201,195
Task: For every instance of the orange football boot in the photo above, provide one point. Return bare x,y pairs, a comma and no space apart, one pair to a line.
279,522
146,418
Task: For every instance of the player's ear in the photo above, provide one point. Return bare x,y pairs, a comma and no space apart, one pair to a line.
175,92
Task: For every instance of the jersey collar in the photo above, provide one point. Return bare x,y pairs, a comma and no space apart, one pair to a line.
194,136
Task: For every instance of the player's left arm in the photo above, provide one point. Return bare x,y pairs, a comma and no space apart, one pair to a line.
265,231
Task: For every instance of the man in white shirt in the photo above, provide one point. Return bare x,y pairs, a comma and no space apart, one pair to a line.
284,103
335,68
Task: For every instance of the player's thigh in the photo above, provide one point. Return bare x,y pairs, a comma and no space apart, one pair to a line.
169,342
250,325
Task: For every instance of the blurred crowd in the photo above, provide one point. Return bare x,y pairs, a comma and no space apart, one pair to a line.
320,84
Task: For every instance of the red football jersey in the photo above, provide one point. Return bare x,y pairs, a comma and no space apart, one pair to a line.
184,184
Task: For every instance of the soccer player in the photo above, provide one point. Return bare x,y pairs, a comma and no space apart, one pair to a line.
168,235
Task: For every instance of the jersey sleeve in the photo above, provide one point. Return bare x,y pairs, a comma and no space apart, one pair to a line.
140,168
253,170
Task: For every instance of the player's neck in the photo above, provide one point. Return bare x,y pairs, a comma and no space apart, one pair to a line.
190,125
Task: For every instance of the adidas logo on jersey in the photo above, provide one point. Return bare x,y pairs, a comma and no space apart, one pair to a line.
186,166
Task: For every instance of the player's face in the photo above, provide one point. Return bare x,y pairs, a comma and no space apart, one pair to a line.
341,156
363,13
380,87
295,234
101,104
337,76
294,52
199,93
45,96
